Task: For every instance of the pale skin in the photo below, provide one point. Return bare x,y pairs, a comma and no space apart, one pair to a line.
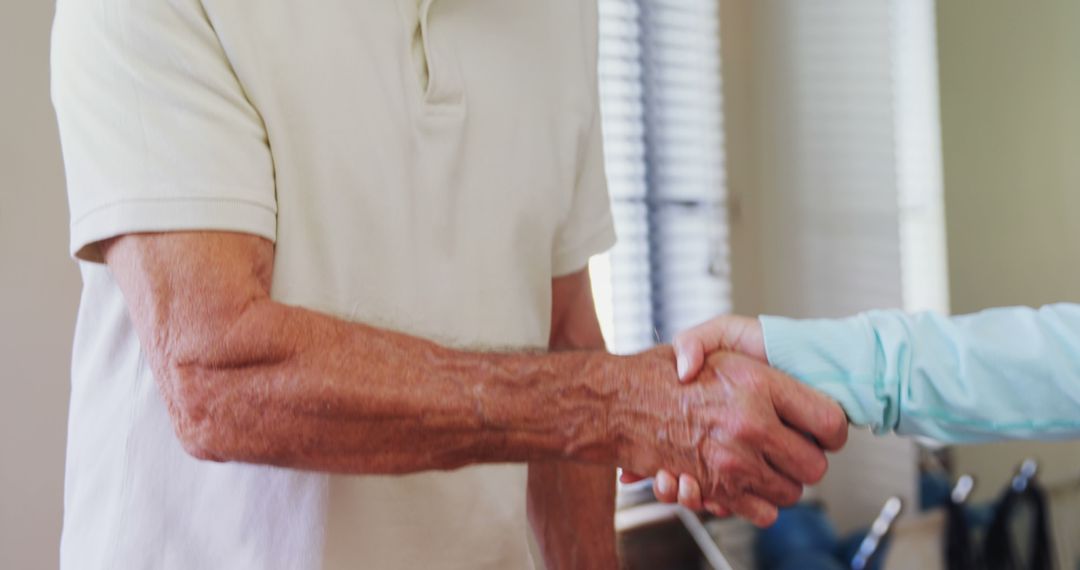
249,379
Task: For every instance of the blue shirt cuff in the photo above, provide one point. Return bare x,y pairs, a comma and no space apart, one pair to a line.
838,357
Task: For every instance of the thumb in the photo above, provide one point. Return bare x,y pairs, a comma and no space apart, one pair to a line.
689,356
728,332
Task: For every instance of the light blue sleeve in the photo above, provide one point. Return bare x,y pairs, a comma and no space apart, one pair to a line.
1001,374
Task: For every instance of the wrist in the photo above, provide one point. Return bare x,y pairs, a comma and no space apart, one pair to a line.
598,385
637,408
607,376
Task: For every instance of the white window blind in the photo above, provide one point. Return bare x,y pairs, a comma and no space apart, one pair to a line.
663,133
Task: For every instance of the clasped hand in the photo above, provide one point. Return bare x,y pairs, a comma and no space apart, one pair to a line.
742,437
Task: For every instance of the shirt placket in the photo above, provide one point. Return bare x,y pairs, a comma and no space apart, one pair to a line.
443,87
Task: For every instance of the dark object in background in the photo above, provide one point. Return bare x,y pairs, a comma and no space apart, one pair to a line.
660,546
934,489
1019,535
800,533
959,552
811,561
804,539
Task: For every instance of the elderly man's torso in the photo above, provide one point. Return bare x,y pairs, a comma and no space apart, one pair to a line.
425,157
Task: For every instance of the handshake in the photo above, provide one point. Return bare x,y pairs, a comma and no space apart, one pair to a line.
738,437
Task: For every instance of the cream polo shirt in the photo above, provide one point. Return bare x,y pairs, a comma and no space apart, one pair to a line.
434,191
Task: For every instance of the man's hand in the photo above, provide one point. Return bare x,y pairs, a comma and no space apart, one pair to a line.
737,432
692,347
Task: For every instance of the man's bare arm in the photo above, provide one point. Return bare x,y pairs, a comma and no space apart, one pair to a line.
249,379
569,500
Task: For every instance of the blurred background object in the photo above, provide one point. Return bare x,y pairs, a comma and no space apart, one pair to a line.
796,157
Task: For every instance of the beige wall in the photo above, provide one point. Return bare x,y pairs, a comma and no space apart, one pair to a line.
1010,100
39,286
1010,108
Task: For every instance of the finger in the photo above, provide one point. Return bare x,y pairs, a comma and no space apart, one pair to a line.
777,489
665,487
627,477
717,510
689,356
795,456
758,511
690,493
810,411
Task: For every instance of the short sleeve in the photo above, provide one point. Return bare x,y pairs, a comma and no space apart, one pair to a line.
157,132
588,228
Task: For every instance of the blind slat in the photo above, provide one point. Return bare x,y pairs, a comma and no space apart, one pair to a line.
663,128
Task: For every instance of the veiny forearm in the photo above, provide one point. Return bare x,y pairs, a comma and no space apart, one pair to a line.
291,387
249,379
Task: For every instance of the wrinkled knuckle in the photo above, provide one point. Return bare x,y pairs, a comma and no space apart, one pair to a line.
729,467
716,494
755,382
749,430
742,488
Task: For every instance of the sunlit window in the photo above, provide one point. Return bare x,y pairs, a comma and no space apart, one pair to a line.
663,135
